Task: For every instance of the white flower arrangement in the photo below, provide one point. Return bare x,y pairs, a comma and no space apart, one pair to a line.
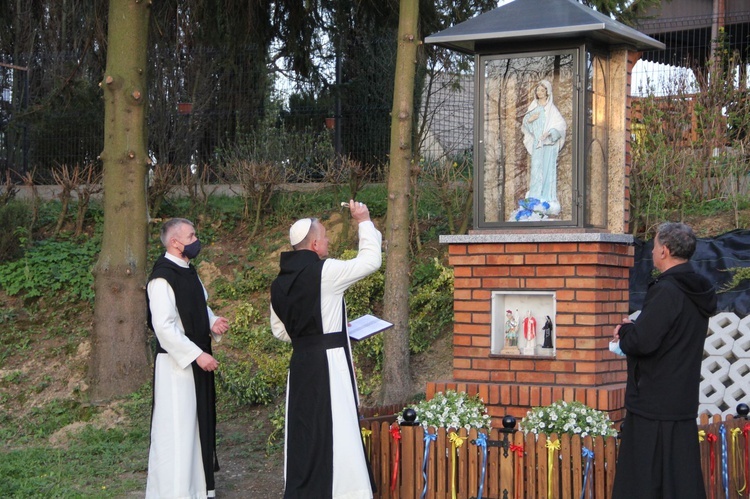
451,410
573,418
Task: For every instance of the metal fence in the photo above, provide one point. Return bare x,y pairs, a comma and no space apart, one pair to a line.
352,118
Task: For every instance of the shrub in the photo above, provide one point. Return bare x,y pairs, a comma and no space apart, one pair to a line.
53,266
451,410
261,377
430,304
244,282
14,217
573,418
256,381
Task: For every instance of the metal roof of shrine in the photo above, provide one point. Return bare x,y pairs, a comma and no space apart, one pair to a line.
538,20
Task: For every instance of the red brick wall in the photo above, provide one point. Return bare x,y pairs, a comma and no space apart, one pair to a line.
590,280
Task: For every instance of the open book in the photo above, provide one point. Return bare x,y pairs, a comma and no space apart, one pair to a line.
366,326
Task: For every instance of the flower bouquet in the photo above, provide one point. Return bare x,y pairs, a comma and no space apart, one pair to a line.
451,409
573,418
531,210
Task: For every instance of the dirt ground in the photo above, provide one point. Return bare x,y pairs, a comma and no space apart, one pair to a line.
247,470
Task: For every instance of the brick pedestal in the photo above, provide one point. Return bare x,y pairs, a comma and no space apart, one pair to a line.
588,273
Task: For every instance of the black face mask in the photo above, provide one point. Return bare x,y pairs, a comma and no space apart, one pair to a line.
191,250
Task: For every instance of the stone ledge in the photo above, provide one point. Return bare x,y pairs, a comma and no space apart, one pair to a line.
538,237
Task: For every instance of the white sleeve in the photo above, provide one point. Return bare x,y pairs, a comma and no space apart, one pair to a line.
212,318
167,324
338,275
277,327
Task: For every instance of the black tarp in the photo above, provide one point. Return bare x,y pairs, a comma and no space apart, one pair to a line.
712,258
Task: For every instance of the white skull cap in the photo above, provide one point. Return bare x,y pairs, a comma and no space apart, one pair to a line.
299,230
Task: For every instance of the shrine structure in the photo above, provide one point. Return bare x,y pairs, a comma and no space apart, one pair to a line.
542,278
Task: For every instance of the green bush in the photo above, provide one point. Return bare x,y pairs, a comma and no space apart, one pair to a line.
257,381
430,304
260,378
430,307
49,268
243,283
15,218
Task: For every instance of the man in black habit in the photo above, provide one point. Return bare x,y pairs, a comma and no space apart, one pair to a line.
659,457
182,455
324,456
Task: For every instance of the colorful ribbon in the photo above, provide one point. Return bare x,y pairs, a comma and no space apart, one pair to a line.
518,450
551,448
711,439
737,467
428,437
367,440
589,455
724,460
456,442
481,441
396,434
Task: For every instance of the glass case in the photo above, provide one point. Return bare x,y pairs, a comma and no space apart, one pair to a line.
541,145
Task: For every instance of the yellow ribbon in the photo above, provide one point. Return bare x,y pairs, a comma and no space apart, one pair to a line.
701,435
737,467
551,448
456,442
366,434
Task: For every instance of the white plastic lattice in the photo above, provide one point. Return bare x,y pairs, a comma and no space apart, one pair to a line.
725,373
722,329
741,347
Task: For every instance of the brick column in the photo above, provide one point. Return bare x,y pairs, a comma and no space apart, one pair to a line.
588,273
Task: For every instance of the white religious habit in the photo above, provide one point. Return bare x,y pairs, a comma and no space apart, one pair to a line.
323,451
175,466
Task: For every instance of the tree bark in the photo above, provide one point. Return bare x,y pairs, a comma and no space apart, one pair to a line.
119,359
396,371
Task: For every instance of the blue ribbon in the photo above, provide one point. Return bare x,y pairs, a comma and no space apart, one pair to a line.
589,455
428,437
724,460
481,441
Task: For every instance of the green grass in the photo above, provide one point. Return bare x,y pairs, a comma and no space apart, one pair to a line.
98,463
91,462
716,206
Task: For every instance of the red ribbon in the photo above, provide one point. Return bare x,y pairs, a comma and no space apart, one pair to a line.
746,431
518,449
711,438
396,434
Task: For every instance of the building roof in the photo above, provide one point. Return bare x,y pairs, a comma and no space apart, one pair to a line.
521,19
685,26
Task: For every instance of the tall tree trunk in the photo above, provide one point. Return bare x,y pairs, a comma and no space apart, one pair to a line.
119,358
396,372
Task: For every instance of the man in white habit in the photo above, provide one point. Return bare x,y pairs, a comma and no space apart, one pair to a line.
182,457
324,454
